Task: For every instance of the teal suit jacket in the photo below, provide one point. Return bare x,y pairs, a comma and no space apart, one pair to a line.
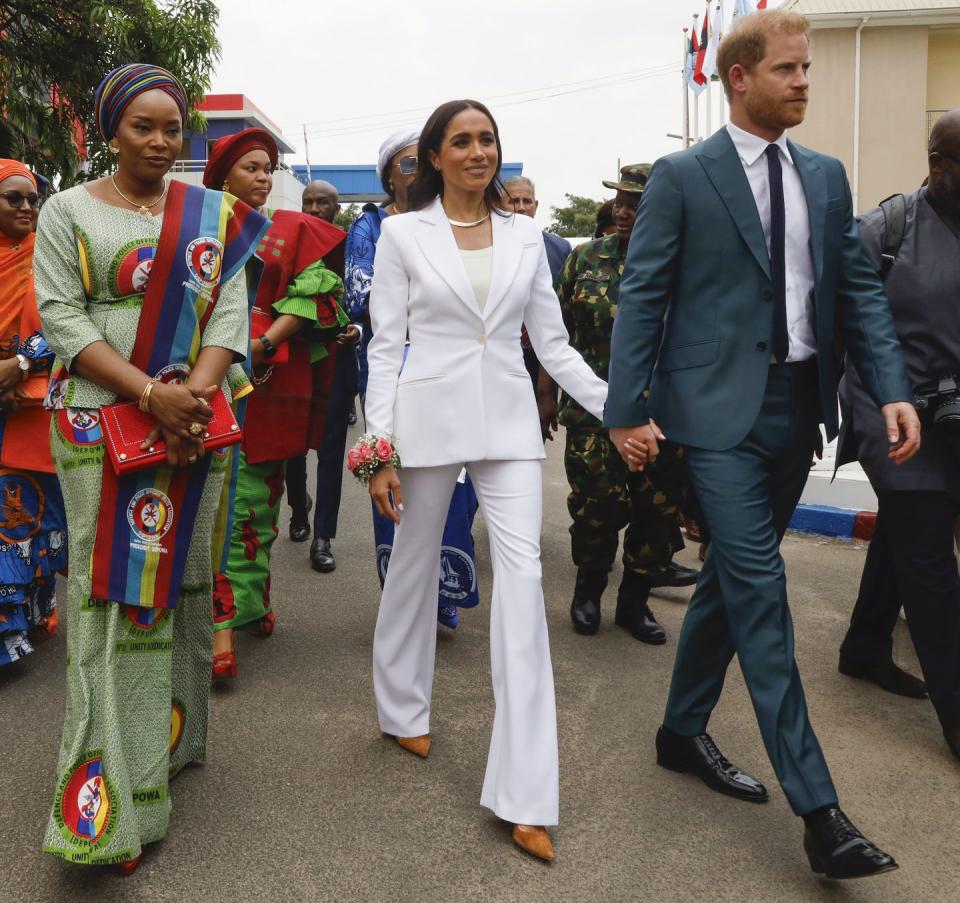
695,312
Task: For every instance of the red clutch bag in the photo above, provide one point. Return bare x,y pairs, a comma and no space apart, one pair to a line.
125,427
259,324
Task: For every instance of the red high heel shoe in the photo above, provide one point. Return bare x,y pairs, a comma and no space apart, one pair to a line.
224,665
130,866
264,627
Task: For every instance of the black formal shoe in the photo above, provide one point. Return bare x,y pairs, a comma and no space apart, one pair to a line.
887,676
674,575
321,556
700,757
352,416
585,608
300,522
633,612
837,849
952,736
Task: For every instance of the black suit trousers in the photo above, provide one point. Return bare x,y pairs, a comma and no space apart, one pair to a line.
911,561
330,454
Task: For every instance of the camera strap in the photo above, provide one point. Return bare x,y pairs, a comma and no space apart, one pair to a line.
894,227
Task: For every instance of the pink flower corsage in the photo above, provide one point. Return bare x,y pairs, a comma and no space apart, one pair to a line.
370,454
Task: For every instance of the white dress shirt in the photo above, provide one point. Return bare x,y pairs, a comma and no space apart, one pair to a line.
752,148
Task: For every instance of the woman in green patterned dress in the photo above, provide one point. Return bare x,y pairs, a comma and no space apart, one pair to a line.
138,666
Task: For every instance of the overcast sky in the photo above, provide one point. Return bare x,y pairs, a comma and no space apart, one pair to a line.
356,71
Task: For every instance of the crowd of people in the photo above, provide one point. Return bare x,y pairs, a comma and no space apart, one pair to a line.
172,352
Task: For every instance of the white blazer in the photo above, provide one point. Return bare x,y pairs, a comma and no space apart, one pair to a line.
464,393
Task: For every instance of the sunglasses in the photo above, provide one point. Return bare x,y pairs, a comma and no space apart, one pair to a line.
15,199
407,165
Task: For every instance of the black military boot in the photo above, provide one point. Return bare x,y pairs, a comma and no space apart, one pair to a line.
633,612
585,608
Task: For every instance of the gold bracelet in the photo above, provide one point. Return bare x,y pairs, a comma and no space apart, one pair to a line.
144,403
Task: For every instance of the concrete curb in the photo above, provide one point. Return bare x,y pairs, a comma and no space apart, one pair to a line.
840,523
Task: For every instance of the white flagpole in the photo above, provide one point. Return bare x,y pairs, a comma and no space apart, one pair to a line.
696,94
709,129
686,93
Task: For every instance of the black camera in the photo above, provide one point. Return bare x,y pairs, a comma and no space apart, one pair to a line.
938,402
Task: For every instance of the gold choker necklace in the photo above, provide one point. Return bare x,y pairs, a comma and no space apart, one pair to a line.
143,209
460,225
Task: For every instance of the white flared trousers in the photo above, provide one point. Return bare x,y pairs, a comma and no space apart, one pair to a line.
522,783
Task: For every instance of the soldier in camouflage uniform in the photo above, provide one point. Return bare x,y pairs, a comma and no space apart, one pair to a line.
605,497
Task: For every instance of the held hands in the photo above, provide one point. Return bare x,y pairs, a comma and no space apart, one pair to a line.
638,445
384,484
175,407
903,430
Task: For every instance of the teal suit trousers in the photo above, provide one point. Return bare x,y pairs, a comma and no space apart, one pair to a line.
748,494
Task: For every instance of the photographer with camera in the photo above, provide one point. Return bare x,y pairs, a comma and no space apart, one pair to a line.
914,240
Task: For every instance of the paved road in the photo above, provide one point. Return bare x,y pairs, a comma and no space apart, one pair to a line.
301,799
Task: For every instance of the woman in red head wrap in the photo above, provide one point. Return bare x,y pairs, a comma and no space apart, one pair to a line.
31,506
297,315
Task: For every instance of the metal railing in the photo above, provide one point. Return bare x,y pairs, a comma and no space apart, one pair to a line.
200,165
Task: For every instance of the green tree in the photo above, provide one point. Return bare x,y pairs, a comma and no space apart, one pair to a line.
577,219
346,217
53,54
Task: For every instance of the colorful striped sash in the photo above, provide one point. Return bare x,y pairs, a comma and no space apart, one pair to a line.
146,519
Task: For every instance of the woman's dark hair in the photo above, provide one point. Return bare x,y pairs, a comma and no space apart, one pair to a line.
429,182
604,218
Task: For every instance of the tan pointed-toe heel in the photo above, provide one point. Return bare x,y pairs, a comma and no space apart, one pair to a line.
419,746
534,840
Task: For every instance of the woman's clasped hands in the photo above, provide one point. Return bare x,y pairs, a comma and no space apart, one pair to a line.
178,407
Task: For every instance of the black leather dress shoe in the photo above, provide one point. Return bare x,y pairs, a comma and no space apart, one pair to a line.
641,623
352,415
700,757
837,849
952,736
300,522
633,612
321,556
674,575
585,608
887,676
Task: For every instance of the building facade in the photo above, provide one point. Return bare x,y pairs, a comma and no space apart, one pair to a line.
883,71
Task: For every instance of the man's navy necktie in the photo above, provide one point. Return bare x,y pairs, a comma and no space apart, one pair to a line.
778,268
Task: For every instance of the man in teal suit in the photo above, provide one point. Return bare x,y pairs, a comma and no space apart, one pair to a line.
744,271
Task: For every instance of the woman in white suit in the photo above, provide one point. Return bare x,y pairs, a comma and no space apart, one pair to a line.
457,277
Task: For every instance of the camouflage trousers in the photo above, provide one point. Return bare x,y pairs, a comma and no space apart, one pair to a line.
605,497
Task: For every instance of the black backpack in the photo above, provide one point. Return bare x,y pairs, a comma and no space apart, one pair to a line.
894,226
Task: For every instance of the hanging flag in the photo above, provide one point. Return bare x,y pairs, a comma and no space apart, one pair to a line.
709,66
698,74
762,4
743,8
693,48
717,30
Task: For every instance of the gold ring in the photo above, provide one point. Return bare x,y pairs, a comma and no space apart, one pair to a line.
195,429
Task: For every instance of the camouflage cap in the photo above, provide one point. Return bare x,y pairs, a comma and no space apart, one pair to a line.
632,178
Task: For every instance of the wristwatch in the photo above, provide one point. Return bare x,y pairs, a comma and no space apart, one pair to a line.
269,349
23,362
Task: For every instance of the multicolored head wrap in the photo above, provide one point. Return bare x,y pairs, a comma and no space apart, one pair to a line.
10,168
123,84
227,150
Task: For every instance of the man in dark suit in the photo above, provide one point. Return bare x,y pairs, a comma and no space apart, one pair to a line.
744,266
911,558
